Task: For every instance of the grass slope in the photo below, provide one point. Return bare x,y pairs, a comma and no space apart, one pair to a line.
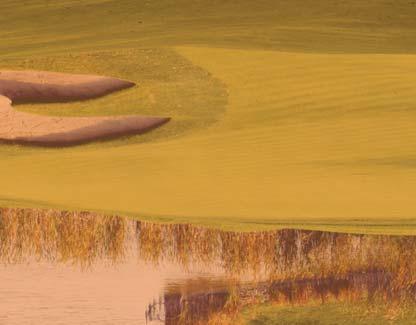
318,131
44,26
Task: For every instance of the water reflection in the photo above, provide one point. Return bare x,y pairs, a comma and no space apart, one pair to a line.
198,272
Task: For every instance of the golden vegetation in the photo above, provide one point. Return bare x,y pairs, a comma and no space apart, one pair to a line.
79,238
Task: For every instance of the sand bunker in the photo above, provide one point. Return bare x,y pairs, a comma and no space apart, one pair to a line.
43,87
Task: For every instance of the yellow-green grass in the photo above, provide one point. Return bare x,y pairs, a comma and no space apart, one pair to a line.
326,314
296,114
36,27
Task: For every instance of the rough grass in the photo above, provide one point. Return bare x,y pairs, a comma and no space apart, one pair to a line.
309,138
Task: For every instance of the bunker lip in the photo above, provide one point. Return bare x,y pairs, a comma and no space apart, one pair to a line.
98,130
43,87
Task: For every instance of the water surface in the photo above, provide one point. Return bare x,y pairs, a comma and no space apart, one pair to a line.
65,267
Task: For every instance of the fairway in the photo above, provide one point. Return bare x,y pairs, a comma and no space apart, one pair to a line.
299,113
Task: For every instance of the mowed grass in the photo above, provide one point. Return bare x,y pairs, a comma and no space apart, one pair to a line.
326,314
286,114
36,27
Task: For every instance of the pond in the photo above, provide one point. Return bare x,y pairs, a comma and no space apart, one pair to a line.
67,267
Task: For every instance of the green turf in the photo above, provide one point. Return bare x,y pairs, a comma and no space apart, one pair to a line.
285,113
328,314
353,26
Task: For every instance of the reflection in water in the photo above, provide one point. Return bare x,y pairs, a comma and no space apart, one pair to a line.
286,266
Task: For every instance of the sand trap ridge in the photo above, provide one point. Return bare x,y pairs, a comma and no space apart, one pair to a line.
42,87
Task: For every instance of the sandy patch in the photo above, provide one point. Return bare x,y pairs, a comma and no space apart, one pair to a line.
38,87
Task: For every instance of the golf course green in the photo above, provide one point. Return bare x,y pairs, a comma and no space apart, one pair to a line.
283,113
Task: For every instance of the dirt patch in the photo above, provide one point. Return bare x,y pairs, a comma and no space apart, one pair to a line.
42,87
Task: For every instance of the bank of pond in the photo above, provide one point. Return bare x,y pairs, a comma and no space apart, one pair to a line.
184,274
